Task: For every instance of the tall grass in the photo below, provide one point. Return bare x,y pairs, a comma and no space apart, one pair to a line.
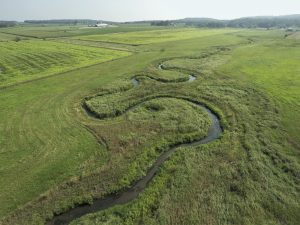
54,156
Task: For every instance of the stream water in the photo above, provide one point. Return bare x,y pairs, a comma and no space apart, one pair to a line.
131,193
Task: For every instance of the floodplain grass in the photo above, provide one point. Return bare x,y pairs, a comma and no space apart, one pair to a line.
246,177
244,166
274,67
25,60
192,64
149,37
145,132
164,75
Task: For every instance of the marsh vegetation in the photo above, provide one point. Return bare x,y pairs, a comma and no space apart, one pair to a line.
56,156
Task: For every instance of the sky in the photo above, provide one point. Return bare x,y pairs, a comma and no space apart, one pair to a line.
132,10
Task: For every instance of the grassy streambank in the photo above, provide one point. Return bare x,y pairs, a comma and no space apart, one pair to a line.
248,176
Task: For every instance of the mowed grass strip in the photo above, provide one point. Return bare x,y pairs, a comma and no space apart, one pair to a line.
26,60
149,37
42,31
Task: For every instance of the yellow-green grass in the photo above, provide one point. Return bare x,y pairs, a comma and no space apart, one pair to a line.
42,142
274,67
25,60
148,37
250,176
40,31
53,31
295,35
7,37
51,161
97,44
166,76
192,64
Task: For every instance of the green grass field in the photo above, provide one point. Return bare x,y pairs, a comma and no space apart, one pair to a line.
26,60
54,31
54,156
274,67
148,37
7,37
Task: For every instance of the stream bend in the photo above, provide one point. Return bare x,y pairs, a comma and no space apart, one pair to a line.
127,195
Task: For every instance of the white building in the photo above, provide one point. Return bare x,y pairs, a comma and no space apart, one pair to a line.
101,25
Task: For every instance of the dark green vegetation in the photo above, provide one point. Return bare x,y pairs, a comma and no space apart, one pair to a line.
55,156
7,23
246,22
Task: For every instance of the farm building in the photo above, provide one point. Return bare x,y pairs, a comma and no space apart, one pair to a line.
100,25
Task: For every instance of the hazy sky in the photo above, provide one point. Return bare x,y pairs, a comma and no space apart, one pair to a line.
128,10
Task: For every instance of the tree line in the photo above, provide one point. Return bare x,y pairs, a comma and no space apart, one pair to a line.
7,23
249,22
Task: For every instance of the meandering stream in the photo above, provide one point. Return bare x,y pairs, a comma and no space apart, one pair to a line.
131,193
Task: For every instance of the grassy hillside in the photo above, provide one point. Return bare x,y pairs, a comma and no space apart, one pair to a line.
54,156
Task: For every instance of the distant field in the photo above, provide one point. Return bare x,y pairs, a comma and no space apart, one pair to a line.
7,37
53,31
148,37
295,35
25,60
97,44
